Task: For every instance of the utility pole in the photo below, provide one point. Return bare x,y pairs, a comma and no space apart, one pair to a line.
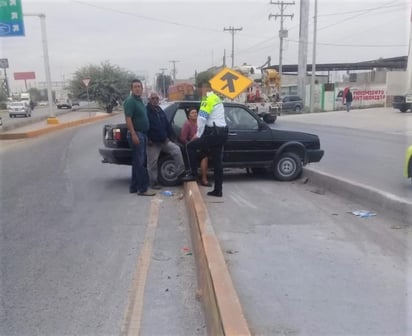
163,79
282,32
174,69
312,80
409,64
303,48
232,31
52,118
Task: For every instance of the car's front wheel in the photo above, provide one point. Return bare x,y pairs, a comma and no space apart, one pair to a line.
288,167
167,171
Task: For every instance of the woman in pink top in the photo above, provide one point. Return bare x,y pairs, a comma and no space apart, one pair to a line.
189,130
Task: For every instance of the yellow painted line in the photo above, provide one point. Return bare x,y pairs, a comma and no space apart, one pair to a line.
134,312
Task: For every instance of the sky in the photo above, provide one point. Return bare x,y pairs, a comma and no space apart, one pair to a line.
145,36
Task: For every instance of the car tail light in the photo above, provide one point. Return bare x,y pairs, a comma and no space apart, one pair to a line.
117,135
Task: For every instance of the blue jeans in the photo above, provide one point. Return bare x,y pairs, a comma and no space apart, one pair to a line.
140,179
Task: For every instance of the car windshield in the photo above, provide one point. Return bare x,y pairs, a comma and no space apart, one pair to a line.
18,104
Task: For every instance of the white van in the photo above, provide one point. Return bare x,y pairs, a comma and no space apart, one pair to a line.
19,108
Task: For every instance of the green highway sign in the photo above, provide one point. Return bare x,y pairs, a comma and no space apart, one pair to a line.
11,18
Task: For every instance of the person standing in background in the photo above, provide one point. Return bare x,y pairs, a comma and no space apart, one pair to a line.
348,99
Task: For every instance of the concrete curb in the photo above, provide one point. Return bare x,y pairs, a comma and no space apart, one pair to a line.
392,205
221,305
51,128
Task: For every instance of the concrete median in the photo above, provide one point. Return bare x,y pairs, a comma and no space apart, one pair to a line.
222,308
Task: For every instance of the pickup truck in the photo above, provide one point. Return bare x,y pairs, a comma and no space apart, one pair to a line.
267,110
251,144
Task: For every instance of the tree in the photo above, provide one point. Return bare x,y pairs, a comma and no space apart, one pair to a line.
109,84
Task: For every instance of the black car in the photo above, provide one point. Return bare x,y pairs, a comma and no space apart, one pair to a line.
251,144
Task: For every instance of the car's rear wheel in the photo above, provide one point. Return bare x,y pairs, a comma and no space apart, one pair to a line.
403,109
298,108
167,171
288,167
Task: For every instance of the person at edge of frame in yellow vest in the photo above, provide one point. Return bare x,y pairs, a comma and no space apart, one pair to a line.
212,133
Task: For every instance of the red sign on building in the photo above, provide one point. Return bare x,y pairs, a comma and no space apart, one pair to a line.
24,75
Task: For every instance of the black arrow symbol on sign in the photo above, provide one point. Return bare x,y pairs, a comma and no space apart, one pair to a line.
229,78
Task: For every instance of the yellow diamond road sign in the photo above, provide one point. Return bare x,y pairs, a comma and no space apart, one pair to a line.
230,83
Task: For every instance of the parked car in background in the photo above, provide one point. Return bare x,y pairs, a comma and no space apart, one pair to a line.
251,144
75,102
20,108
402,103
407,171
63,102
292,103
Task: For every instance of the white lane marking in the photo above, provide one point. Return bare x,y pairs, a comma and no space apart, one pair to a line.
134,312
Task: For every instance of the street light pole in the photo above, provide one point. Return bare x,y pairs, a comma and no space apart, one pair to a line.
312,81
52,118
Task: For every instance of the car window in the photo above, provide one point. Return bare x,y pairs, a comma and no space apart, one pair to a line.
240,119
180,117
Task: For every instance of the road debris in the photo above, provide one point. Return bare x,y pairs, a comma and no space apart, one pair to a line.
363,213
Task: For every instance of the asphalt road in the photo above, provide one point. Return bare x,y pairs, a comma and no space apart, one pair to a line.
300,261
365,146
40,113
302,264
71,236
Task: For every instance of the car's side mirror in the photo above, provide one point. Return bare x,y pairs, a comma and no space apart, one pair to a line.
262,125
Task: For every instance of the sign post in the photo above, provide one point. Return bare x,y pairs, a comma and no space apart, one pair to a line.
230,83
11,19
86,82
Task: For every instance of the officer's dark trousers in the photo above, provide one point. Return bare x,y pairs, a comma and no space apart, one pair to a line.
212,140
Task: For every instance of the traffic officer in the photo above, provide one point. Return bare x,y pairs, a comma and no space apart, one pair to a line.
212,133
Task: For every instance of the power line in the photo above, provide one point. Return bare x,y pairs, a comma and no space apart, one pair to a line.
149,18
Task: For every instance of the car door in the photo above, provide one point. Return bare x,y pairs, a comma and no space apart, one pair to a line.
249,141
